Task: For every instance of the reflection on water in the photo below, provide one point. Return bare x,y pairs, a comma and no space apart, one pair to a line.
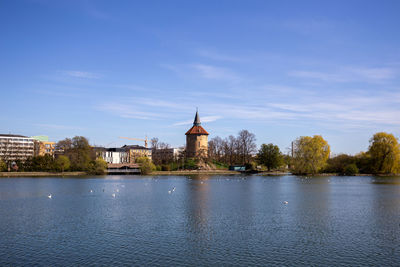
207,220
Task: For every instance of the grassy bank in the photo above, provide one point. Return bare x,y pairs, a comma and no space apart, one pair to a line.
40,174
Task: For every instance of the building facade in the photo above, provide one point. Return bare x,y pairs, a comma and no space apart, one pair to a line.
136,152
43,146
196,140
113,155
16,147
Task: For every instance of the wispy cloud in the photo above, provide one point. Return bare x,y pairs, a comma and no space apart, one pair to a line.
205,71
220,56
58,126
129,111
348,74
81,74
215,73
203,119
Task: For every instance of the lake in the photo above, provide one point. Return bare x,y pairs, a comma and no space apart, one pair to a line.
207,220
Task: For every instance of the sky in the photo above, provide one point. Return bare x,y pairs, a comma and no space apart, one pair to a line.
280,69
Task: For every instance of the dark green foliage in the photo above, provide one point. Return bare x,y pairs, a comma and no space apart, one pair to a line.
270,156
79,152
165,167
3,166
190,164
350,170
337,164
146,165
97,167
62,163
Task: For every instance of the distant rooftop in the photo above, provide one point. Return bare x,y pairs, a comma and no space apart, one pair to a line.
13,135
43,138
134,147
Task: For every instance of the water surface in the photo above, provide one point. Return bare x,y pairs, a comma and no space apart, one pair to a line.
207,220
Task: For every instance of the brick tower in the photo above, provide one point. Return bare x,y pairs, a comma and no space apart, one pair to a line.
196,140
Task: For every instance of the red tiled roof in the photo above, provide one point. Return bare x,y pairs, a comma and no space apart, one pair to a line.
196,129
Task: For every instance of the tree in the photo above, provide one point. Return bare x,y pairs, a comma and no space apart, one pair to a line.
338,163
79,152
98,167
350,170
310,154
270,156
146,166
3,166
385,153
247,145
62,163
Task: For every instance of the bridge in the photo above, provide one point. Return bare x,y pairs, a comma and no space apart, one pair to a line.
123,168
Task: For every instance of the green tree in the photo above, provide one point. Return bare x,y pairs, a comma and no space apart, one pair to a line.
310,154
98,167
3,166
338,163
79,152
146,165
385,153
62,163
270,156
350,170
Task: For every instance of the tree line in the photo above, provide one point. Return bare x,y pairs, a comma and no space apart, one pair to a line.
310,155
74,155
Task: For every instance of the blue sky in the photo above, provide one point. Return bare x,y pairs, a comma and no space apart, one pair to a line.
280,69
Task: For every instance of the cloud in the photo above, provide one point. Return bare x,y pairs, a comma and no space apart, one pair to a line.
204,71
129,111
203,119
348,74
81,74
219,56
58,126
215,73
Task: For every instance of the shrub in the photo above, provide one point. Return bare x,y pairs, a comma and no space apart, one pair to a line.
351,169
146,165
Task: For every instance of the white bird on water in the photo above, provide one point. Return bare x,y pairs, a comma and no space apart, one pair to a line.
285,202
49,196
91,191
117,190
113,195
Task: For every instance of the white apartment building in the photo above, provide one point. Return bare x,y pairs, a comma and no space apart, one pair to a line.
115,155
16,147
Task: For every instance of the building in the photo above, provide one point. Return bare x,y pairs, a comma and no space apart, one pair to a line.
43,146
114,155
16,147
136,152
166,155
196,140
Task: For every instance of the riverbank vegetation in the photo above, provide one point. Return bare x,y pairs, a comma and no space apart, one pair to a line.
309,155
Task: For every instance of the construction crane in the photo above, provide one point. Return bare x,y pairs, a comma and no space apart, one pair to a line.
136,139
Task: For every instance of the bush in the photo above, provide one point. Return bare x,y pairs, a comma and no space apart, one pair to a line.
3,166
97,167
351,169
146,165
190,164
62,163
251,166
165,168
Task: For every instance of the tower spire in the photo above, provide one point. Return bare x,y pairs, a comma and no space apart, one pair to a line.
197,118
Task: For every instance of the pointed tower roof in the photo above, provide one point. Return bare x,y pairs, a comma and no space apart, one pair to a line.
196,121
196,128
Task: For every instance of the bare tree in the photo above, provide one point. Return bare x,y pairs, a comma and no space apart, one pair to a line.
247,145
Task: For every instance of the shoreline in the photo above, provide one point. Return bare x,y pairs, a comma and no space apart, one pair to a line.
177,173
41,174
